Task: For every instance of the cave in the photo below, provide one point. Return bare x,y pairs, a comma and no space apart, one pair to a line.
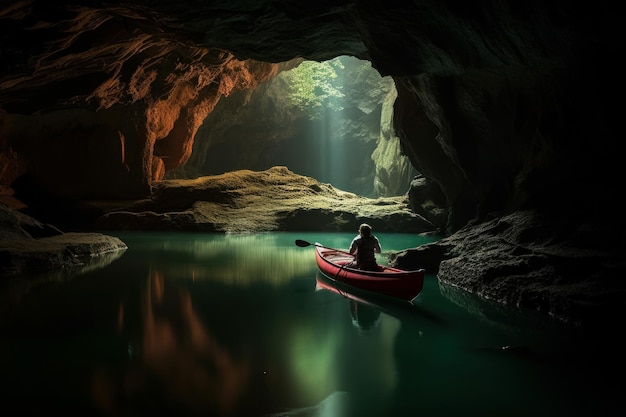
506,114
331,121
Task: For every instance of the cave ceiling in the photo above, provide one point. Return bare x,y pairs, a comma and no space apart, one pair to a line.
500,104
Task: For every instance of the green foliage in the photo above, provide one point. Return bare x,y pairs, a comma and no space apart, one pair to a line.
312,88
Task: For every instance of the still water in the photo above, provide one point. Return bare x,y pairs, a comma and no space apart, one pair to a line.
214,325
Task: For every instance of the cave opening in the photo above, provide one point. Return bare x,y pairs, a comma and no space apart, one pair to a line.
329,120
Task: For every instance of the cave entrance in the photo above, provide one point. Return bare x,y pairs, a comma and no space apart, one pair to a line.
328,120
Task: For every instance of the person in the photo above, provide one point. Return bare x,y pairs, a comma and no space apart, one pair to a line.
365,246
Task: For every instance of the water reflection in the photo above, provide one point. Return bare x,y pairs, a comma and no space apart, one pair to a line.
363,317
401,309
218,349
196,324
196,345
232,259
174,353
144,336
13,289
336,404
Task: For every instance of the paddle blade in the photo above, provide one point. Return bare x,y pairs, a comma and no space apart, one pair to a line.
302,243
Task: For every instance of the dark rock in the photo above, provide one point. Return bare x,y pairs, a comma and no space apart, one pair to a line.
29,246
568,270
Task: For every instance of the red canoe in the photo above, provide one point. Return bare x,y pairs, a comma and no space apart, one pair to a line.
398,283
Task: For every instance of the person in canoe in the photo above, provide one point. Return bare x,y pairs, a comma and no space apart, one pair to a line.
365,246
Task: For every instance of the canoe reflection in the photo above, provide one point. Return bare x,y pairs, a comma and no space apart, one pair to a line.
363,317
364,300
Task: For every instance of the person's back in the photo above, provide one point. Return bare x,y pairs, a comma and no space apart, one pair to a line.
365,246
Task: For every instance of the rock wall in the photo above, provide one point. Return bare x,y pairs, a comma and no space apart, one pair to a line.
501,106
101,102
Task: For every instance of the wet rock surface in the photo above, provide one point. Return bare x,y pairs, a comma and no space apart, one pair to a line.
23,251
568,269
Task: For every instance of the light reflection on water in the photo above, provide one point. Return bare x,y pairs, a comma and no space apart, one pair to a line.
240,259
195,324
252,258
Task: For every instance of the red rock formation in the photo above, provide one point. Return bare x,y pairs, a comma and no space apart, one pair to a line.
121,103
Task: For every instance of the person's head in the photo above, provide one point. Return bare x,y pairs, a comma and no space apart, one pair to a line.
365,230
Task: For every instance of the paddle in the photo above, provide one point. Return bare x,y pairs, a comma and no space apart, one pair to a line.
304,244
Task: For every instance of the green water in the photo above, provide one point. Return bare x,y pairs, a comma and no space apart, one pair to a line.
213,325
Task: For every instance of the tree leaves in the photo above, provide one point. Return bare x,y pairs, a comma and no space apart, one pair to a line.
314,86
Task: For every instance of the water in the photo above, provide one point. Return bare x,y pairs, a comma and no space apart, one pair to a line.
213,325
